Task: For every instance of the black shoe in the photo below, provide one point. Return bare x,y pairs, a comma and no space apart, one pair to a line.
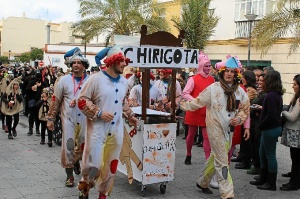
184,138
14,132
237,159
38,133
77,169
205,190
287,175
243,165
200,144
30,132
187,160
49,143
42,142
10,136
289,187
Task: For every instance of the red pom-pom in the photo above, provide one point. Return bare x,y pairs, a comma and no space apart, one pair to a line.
81,104
165,71
115,59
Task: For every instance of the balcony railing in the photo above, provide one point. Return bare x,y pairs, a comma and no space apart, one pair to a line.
242,28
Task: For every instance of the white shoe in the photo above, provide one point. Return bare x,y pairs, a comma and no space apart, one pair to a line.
214,182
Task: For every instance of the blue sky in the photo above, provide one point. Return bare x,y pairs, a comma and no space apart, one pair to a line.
50,10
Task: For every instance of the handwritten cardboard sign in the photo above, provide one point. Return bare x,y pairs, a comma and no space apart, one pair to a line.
159,153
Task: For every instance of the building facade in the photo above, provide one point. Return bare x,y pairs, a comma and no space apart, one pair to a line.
232,36
21,34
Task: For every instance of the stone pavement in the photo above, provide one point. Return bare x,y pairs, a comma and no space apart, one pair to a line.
32,171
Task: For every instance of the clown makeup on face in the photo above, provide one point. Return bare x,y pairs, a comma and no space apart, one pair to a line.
229,75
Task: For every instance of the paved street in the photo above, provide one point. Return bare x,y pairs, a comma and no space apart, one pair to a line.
30,170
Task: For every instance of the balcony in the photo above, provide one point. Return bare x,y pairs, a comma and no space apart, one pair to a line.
242,28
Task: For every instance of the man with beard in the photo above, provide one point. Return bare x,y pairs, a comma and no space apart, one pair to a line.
73,121
102,101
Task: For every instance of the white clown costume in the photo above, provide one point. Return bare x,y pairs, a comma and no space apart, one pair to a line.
218,129
104,140
73,121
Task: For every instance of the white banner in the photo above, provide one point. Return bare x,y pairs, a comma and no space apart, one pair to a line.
161,57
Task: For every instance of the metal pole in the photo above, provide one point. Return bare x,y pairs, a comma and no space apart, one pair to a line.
48,33
9,57
85,47
249,44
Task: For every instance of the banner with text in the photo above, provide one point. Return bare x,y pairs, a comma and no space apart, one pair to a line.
161,57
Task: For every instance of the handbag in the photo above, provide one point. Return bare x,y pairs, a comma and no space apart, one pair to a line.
31,103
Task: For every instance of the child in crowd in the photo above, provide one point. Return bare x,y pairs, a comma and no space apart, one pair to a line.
43,105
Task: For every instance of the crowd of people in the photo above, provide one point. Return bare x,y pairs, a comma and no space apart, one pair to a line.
222,106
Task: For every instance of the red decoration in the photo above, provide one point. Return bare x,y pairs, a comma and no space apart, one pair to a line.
113,166
132,132
165,71
116,59
82,146
81,104
53,98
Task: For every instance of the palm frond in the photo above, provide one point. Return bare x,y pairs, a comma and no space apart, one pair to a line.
197,21
120,16
274,26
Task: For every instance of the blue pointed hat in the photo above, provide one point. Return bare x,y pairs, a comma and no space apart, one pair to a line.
101,55
107,52
72,52
232,62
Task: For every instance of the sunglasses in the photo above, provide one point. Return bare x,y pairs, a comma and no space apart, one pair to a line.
77,62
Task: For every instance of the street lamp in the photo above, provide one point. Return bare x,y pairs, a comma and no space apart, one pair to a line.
250,18
9,56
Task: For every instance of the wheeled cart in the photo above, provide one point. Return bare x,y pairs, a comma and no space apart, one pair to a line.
148,153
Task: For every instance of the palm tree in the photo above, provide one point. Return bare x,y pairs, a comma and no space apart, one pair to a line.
285,19
197,21
123,17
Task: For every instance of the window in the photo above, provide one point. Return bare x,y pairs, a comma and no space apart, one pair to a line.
243,7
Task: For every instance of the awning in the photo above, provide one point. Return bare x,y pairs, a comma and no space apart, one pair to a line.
257,63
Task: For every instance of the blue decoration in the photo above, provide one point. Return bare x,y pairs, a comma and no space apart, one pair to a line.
72,52
232,62
101,55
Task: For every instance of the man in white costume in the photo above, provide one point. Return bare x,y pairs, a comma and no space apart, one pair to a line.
227,105
135,96
73,121
164,85
102,101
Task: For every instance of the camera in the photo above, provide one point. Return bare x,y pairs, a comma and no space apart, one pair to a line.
254,106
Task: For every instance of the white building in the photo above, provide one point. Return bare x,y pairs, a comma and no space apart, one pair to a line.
231,37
